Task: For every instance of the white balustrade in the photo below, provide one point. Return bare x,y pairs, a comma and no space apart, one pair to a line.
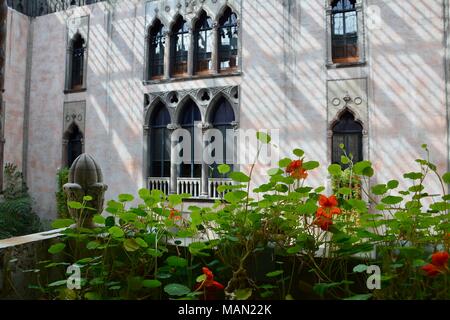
161,184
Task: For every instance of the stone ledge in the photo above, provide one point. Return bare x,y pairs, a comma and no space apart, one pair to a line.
17,241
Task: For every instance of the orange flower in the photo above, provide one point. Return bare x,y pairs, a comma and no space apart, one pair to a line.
438,264
328,207
324,223
174,215
296,171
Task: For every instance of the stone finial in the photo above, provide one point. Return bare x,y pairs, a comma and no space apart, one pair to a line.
85,179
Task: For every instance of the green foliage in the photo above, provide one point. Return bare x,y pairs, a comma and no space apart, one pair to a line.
62,177
256,245
16,214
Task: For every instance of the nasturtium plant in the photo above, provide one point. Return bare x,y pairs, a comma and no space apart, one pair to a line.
265,241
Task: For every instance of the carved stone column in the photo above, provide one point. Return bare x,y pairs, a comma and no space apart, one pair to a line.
3,18
85,179
173,156
205,167
167,55
191,53
215,50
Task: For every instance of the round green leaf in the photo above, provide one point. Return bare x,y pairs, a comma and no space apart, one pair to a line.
175,261
116,232
274,273
74,205
392,200
310,165
125,197
176,289
239,177
263,137
299,152
151,284
62,223
56,248
130,245
360,268
335,170
223,168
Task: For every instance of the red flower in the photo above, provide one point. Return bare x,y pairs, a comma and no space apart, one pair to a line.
431,270
439,259
328,207
210,287
296,171
324,223
209,281
174,215
438,264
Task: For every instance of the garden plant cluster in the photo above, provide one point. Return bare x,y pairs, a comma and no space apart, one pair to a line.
283,239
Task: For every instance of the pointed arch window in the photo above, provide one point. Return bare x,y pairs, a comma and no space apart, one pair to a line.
160,143
228,41
157,47
189,117
77,62
74,139
203,43
180,47
344,31
349,132
222,119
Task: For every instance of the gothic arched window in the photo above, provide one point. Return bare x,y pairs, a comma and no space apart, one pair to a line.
203,43
160,143
189,117
344,31
179,47
74,144
222,119
347,131
156,50
77,62
228,41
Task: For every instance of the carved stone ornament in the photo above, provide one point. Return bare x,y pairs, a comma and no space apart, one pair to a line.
85,179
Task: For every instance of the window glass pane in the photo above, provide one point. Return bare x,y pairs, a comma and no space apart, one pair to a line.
350,22
338,24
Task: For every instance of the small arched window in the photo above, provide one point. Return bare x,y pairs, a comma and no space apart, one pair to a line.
222,119
160,143
228,41
180,47
347,131
77,63
189,117
74,144
156,50
344,29
203,43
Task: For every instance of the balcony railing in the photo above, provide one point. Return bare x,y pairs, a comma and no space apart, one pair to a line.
192,186
34,8
162,184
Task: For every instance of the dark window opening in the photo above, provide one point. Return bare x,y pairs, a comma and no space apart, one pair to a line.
203,44
347,131
189,117
180,47
157,41
228,41
344,31
78,56
74,145
222,119
160,143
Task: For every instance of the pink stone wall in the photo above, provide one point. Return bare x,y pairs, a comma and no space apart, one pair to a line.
16,56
